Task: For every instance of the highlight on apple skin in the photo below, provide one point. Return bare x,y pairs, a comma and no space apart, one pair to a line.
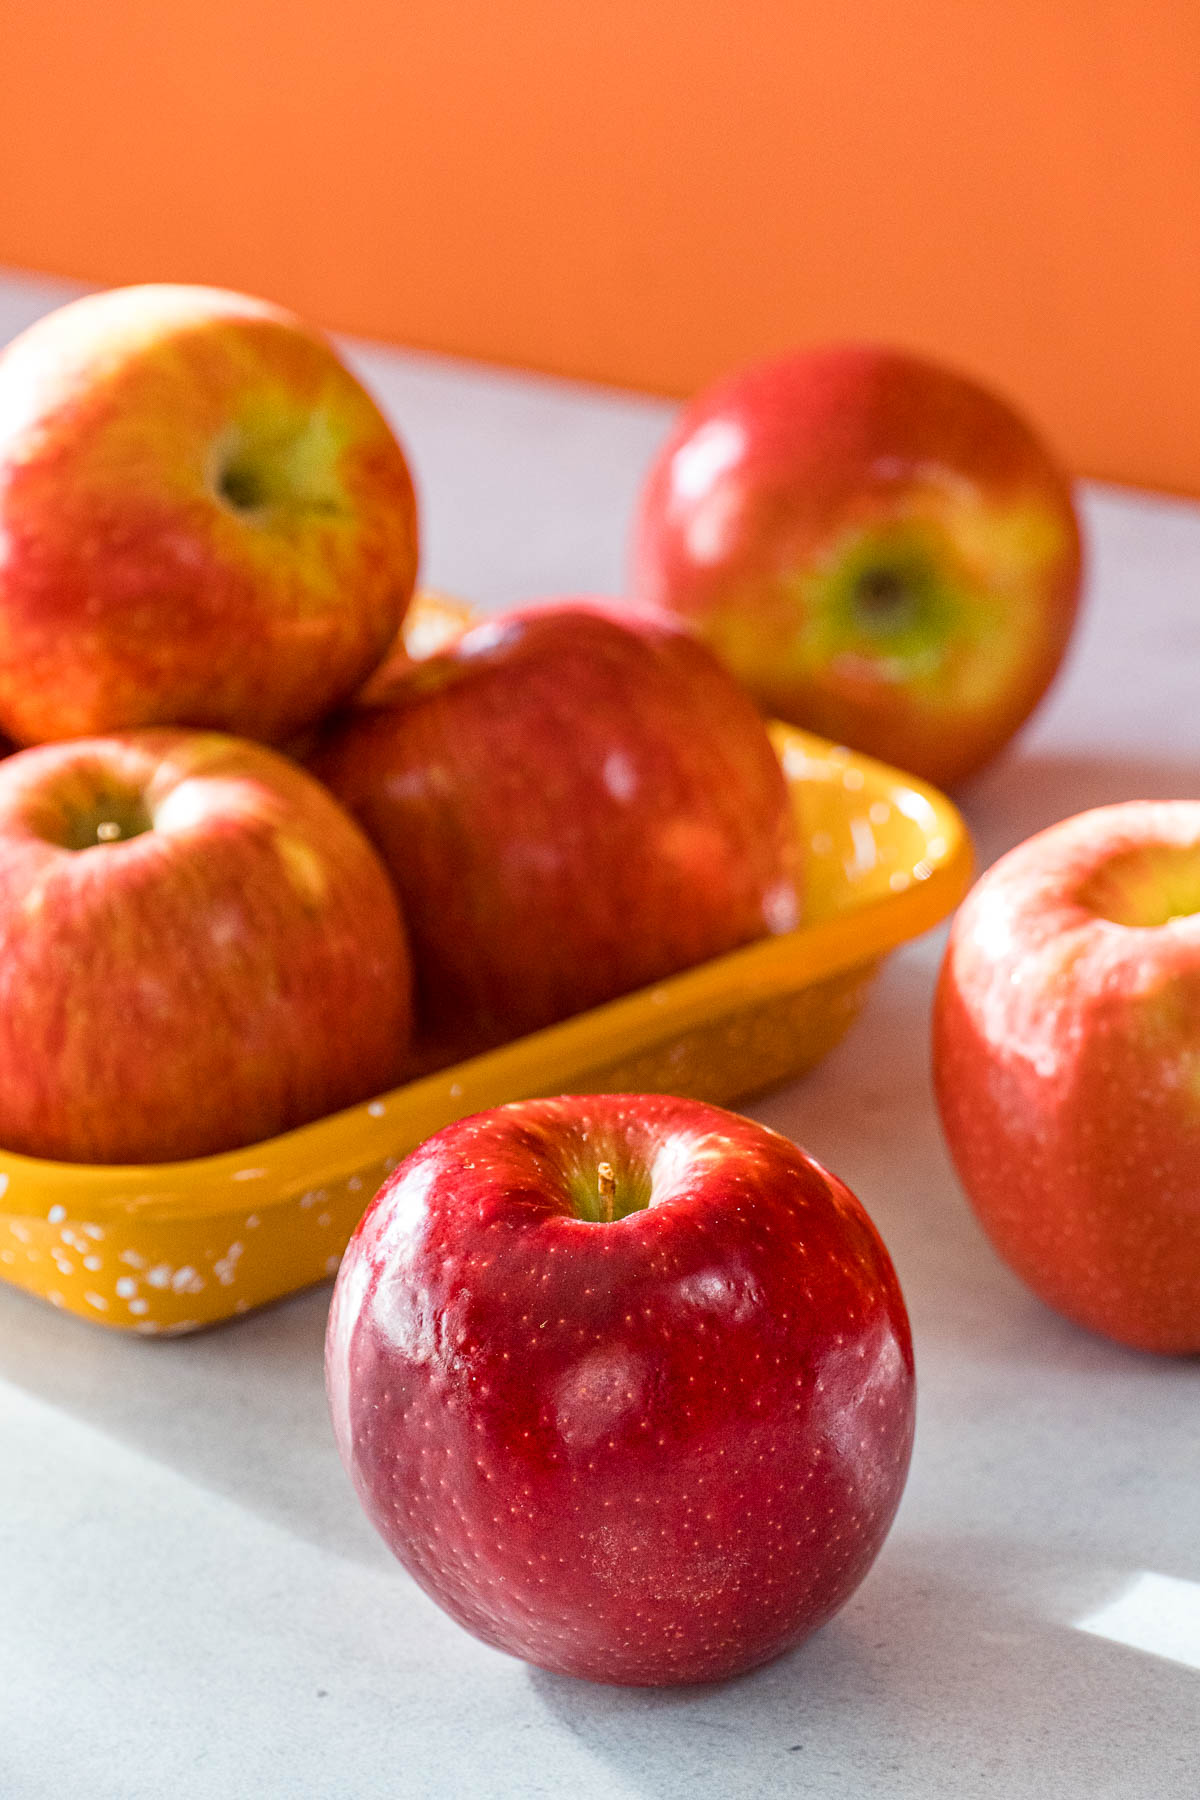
881,549
574,800
206,519
1067,1067
199,949
625,1382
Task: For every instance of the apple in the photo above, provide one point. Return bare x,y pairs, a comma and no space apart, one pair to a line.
574,799
625,1382
1067,1062
881,550
433,622
199,949
206,520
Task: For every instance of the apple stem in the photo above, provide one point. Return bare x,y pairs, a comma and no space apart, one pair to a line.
606,1180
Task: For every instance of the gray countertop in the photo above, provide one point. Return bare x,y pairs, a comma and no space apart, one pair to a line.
192,1603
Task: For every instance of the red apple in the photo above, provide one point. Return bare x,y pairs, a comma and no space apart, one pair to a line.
574,799
625,1382
199,949
205,519
1067,1058
883,551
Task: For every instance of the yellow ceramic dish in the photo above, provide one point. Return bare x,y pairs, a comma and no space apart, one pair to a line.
176,1246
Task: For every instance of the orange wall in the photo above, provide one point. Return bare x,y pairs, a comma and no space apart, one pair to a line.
647,191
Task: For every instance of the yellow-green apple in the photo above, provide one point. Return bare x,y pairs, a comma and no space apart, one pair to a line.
1067,1058
882,550
573,800
625,1382
204,519
199,949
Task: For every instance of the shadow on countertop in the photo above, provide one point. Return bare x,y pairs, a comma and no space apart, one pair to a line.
956,1652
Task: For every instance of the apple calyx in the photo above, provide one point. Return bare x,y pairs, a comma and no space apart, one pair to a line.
883,598
887,598
277,466
1145,887
242,487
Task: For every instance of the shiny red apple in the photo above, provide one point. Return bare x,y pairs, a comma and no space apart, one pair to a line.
198,950
206,520
1067,1058
882,550
625,1382
573,800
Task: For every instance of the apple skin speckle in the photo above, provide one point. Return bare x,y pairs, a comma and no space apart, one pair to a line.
658,1450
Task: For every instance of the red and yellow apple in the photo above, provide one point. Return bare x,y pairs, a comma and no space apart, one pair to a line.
1067,1061
625,1382
574,799
880,549
199,949
433,622
205,520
